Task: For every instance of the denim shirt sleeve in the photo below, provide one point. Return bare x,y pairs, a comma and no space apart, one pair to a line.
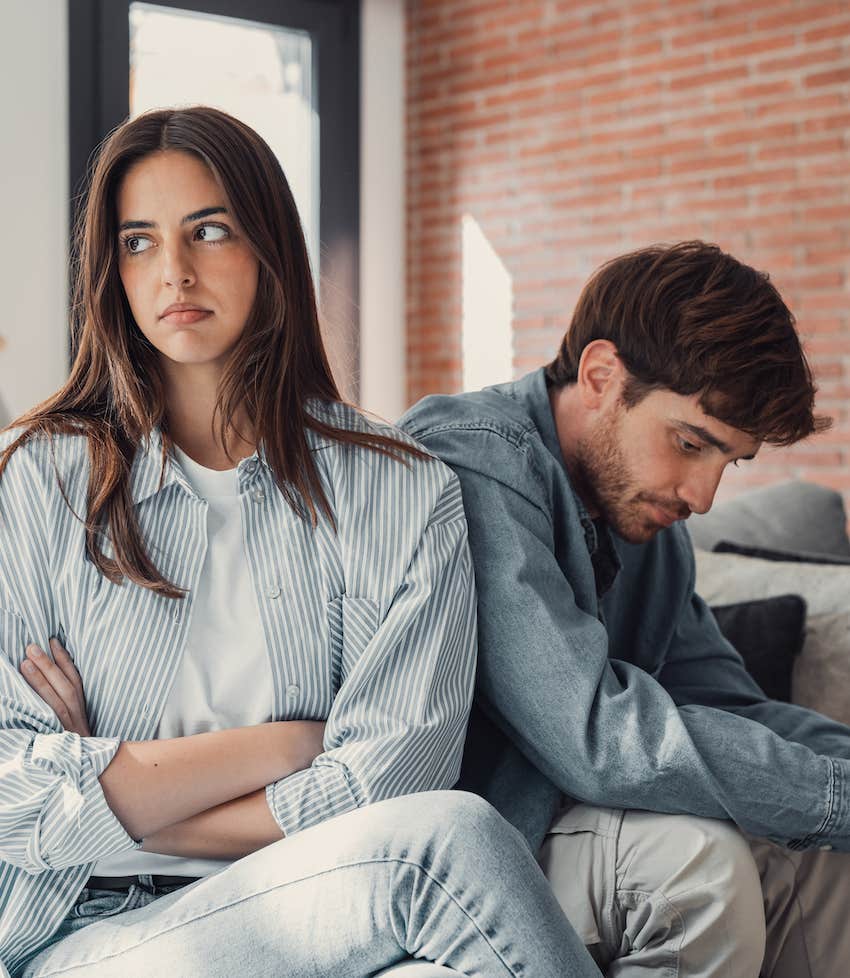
605,731
703,669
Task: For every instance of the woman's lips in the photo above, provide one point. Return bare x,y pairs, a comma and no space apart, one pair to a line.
183,317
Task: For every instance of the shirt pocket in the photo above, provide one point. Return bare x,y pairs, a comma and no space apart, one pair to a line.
353,623
13,636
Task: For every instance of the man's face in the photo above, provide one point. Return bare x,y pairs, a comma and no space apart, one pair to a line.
643,468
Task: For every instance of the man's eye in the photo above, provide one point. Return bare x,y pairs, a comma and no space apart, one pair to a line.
688,447
212,232
135,244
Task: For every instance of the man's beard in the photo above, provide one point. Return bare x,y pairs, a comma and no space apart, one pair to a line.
601,477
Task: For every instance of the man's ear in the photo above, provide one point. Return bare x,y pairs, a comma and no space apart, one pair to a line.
600,374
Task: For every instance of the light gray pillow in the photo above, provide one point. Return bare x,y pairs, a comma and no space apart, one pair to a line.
795,516
821,677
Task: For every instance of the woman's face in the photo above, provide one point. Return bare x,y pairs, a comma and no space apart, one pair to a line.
187,269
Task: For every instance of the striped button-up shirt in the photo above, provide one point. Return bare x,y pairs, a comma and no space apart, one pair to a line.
369,625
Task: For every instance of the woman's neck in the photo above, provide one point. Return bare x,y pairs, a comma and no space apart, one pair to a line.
190,411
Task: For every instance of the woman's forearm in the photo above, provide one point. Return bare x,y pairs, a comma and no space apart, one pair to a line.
228,831
155,783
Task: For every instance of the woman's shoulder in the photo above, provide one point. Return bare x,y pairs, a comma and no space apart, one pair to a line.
347,417
44,456
365,471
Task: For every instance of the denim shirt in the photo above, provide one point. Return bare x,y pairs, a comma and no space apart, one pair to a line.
601,675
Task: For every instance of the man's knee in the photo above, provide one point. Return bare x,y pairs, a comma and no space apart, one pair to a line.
702,866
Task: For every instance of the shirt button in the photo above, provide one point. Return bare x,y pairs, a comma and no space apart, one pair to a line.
258,495
292,691
272,591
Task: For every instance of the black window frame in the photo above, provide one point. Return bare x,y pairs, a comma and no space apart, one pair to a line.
99,100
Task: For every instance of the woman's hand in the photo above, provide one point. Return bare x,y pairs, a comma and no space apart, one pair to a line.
58,683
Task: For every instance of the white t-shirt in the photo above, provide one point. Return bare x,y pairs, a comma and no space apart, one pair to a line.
225,677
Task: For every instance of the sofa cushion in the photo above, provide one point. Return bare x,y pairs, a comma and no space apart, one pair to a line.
768,635
791,516
821,673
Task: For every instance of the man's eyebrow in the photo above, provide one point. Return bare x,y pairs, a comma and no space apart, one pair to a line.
194,216
705,435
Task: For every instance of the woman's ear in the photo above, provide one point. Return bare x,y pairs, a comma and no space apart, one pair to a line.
600,374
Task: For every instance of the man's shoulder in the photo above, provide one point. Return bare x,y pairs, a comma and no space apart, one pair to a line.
488,416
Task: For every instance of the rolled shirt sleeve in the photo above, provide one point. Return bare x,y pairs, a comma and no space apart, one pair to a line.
53,813
398,722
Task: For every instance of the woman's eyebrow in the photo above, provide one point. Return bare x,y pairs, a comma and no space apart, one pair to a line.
194,216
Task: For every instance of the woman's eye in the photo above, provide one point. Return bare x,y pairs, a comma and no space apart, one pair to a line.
212,232
135,244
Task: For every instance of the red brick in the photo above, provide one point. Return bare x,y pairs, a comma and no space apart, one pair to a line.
704,79
838,30
838,76
805,14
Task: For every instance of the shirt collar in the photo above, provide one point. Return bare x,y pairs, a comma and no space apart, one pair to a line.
148,476
532,392
151,473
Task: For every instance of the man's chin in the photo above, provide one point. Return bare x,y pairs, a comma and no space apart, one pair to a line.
638,532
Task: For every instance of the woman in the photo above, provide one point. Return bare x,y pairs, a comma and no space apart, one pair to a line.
261,615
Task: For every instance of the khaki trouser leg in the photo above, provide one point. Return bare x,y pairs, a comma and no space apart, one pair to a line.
807,905
661,895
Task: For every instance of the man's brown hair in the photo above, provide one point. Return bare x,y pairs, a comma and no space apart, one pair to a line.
694,320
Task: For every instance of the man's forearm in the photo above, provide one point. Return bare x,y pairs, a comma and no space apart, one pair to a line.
153,784
228,831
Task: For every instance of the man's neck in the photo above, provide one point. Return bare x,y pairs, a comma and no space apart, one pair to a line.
569,417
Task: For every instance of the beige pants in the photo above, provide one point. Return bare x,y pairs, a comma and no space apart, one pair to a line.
685,897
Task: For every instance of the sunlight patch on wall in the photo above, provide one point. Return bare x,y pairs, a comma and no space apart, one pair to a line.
487,311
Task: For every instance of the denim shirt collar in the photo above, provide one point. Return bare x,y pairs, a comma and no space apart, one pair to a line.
532,392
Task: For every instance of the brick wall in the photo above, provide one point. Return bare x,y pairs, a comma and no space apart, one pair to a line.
573,131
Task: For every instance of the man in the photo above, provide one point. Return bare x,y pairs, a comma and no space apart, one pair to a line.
605,689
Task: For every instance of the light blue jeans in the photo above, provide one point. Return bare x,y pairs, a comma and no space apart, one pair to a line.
438,876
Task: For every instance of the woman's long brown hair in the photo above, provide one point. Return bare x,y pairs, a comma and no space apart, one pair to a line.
115,394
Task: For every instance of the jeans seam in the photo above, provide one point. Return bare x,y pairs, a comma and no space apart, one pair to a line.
200,916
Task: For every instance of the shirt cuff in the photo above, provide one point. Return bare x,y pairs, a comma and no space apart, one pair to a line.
78,826
309,797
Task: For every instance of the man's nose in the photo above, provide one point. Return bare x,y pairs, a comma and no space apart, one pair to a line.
698,490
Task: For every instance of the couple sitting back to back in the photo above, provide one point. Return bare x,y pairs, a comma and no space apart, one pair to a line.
238,654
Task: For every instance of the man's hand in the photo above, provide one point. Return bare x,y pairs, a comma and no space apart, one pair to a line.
58,683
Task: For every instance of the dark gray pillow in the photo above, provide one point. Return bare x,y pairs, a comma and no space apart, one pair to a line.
768,634
784,556
792,516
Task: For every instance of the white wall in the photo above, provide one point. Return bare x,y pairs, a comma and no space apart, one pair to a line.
383,370
34,182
